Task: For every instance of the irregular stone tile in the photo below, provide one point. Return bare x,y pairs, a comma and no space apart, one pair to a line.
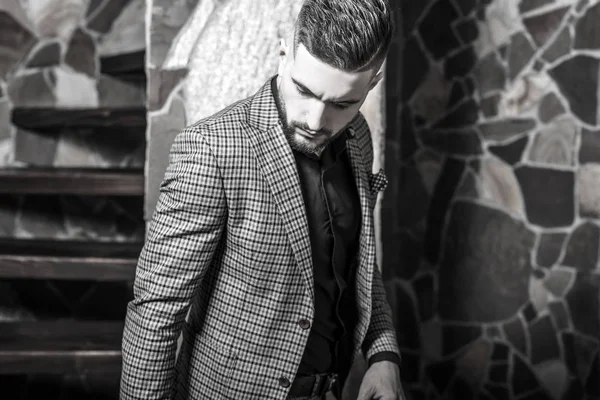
408,249
524,94
561,46
583,300
89,218
514,331
85,96
555,143
542,26
512,152
589,196
5,113
41,217
523,378
162,130
167,20
424,289
467,30
440,202
440,374
574,391
16,10
432,96
113,92
589,151
550,248
34,148
592,385
435,29
93,7
560,315
550,107
529,313
464,115
430,166
127,34
460,64
493,332
410,215
408,142
56,17
469,187
406,320
538,295
549,206
81,53
502,130
104,15
543,340
498,373
474,271
160,85
489,105
489,74
431,337
519,54
559,280
582,247
498,186
15,43
528,5
587,31
577,78
32,90
9,208
456,337
553,377
497,391
411,13
503,20
74,151
46,55
455,143
501,352
412,78
579,353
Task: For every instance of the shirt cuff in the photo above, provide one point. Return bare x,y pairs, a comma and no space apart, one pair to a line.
385,356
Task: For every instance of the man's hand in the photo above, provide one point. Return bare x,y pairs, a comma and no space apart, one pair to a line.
381,382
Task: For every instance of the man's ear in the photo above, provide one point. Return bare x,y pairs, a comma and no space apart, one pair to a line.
375,80
283,54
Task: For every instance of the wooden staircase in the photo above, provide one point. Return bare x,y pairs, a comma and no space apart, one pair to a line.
71,345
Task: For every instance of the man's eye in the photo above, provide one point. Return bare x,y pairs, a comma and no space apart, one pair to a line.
301,91
341,106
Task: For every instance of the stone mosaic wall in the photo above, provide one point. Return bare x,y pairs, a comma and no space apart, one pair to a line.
492,216
50,57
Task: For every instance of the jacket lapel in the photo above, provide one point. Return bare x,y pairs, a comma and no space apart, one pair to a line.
366,249
277,162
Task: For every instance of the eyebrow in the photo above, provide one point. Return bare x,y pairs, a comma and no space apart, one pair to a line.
309,92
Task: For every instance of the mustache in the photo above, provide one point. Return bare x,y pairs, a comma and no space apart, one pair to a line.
304,126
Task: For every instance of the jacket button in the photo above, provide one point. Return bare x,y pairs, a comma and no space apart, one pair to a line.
284,382
351,132
304,323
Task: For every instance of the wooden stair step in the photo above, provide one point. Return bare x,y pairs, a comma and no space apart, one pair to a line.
124,63
68,259
77,181
29,347
56,118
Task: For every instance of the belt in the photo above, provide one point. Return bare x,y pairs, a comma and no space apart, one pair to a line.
312,385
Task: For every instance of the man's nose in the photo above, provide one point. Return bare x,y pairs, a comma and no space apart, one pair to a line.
316,116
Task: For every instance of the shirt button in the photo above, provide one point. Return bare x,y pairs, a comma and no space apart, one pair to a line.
284,382
304,323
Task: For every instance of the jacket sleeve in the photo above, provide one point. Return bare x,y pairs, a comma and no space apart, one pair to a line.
381,335
184,232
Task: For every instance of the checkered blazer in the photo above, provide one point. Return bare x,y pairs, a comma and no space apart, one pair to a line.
229,242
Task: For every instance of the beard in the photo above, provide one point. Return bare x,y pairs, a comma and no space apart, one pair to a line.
304,145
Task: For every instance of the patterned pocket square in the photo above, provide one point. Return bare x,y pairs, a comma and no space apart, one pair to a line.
377,181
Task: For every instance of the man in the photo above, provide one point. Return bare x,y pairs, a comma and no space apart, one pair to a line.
264,232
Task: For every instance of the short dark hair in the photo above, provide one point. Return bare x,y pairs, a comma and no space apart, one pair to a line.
351,35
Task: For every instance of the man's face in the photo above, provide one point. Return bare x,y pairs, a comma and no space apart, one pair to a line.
318,100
